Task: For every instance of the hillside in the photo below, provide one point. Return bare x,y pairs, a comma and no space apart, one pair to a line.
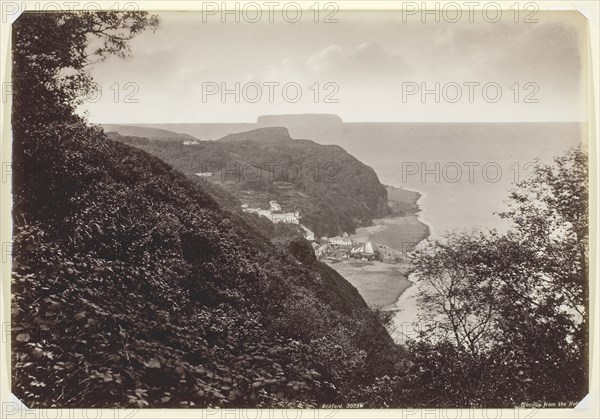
147,132
134,287
332,190
317,127
263,136
205,131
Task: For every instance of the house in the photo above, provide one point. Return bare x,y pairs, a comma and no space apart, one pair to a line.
265,213
340,241
204,174
321,251
288,217
191,142
308,235
278,218
275,207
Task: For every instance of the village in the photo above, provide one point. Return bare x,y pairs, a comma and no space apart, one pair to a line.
276,216
327,248
343,247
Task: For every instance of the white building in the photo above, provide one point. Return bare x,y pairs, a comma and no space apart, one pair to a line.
308,235
275,207
321,251
204,174
191,142
340,241
288,217
265,213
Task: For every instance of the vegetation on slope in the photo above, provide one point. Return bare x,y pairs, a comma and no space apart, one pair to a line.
157,133
333,191
136,287
133,286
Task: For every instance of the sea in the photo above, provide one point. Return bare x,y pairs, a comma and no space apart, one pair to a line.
463,171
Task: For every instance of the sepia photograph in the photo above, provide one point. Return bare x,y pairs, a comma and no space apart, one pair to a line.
299,205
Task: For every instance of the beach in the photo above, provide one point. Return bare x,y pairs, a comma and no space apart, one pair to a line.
382,285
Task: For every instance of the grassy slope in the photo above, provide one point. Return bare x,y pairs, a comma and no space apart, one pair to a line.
133,286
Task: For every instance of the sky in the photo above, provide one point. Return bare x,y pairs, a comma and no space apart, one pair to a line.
374,66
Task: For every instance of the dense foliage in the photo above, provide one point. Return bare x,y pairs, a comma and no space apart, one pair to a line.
133,286
136,287
510,312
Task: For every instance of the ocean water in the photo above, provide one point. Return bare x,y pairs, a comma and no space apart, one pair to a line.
464,171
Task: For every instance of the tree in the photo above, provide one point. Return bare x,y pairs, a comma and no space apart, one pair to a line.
457,289
51,55
518,302
550,213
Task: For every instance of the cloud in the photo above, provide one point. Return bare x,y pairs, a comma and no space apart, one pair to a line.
369,56
367,63
546,52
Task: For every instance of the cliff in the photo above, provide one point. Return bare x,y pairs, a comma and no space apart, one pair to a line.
333,191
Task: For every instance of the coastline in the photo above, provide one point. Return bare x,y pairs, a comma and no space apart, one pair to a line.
422,216
383,284
405,320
